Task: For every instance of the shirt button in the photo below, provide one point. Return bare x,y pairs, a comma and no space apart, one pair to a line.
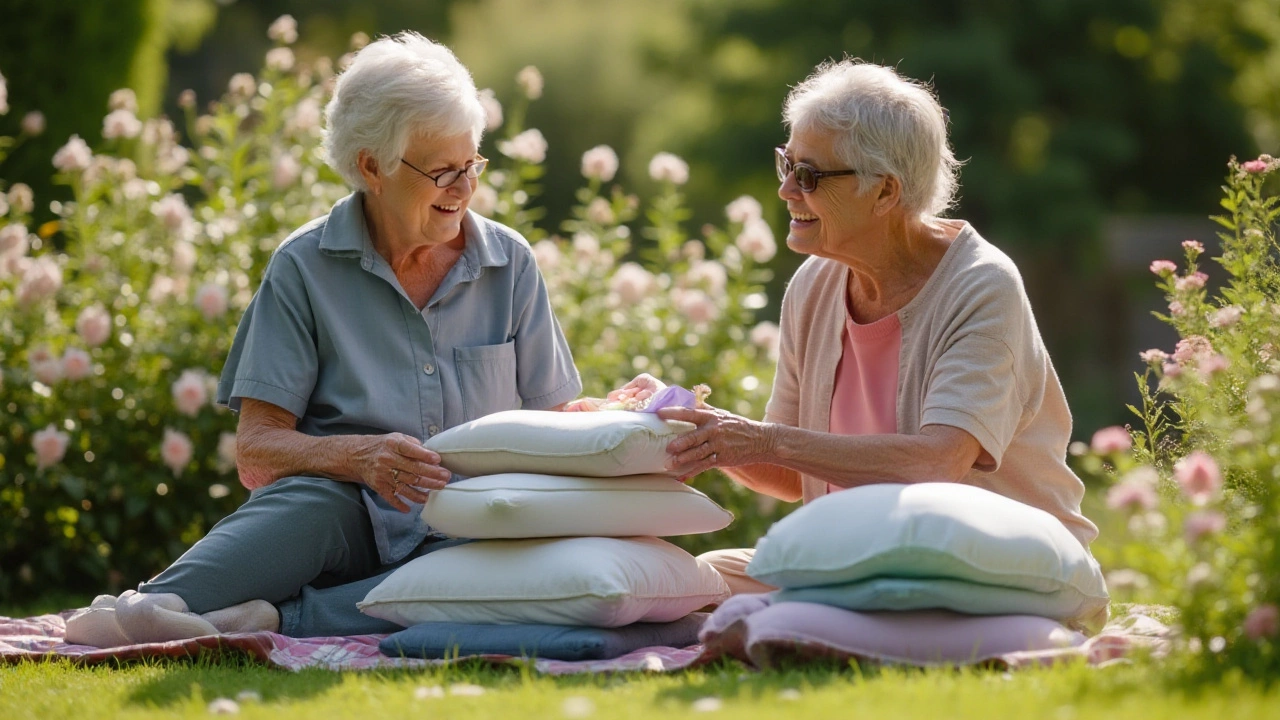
429,369
433,429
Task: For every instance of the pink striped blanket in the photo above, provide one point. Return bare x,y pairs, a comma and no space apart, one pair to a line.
40,638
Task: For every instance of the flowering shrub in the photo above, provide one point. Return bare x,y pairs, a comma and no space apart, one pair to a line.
1197,482
116,318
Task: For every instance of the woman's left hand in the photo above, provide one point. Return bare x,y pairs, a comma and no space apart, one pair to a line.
722,439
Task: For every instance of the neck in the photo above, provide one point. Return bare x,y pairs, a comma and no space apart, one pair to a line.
895,264
393,238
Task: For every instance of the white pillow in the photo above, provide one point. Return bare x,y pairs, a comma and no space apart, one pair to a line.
591,581
928,530
520,505
585,444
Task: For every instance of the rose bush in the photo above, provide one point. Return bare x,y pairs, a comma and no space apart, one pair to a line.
1195,485
116,318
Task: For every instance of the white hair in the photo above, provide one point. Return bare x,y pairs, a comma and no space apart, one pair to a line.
395,88
883,124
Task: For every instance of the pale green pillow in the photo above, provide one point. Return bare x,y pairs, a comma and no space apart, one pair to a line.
946,531
1067,605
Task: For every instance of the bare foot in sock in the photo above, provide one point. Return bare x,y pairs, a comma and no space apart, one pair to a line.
250,616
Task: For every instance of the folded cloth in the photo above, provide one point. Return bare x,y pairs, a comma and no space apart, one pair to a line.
439,640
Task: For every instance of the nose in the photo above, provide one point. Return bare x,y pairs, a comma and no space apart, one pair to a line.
790,189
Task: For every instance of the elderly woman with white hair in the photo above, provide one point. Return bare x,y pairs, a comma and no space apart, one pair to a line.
396,316
909,352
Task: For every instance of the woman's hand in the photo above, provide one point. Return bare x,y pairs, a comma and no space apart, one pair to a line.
399,468
642,387
721,439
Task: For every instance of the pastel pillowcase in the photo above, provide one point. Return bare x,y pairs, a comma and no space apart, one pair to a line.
750,628
608,443
947,545
589,581
555,642
523,505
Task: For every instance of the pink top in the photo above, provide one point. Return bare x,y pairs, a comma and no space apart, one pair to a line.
865,397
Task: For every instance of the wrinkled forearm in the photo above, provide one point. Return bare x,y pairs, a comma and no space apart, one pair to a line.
773,480
267,454
938,454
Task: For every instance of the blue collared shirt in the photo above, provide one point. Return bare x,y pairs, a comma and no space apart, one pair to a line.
333,338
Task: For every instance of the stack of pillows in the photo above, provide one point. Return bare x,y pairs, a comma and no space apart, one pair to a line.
932,573
565,510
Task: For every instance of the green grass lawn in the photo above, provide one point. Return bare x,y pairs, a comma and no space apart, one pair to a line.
186,689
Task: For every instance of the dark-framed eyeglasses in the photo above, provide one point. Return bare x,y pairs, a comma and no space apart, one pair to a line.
807,176
449,177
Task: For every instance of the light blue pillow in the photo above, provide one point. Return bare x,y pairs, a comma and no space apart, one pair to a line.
435,640
965,597
933,532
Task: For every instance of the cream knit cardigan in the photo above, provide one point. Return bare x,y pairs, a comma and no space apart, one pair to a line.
972,358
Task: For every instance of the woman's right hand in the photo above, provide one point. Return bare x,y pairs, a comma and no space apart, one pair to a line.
399,468
642,387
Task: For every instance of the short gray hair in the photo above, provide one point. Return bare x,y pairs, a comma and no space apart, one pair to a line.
884,124
397,87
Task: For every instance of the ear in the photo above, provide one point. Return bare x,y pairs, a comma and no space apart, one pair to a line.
367,164
889,195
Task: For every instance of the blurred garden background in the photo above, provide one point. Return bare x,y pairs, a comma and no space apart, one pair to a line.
632,144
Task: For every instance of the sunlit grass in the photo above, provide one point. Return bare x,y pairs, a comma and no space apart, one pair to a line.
186,689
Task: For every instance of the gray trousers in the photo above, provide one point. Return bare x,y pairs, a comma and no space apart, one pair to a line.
303,544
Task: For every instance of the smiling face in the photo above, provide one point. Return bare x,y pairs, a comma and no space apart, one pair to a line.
824,222
419,213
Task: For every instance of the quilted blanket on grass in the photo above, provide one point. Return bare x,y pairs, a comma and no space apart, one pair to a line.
40,638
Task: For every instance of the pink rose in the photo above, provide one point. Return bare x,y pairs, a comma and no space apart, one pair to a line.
1262,622
1193,246
1194,281
1176,308
176,450
40,281
94,325
600,163
1226,317
212,301
190,392
226,452
77,364
1254,166
1153,355
1171,370
632,283
766,337
1111,440
1199,476
50,446
1163,267
1132,495
697,306
1192,347
1212,365
47,371
1201,523
756,241
743,210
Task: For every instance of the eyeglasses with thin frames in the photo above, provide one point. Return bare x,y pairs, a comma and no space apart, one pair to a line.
449,177
807,176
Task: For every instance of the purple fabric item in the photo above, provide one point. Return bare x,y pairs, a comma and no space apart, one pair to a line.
671,396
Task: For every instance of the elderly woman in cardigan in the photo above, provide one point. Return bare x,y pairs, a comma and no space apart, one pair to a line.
909,352
396,316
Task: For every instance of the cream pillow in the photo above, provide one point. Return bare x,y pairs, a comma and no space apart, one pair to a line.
585,444
521,505
591,581
945,531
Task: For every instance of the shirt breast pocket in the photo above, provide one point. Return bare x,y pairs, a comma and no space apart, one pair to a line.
487,379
